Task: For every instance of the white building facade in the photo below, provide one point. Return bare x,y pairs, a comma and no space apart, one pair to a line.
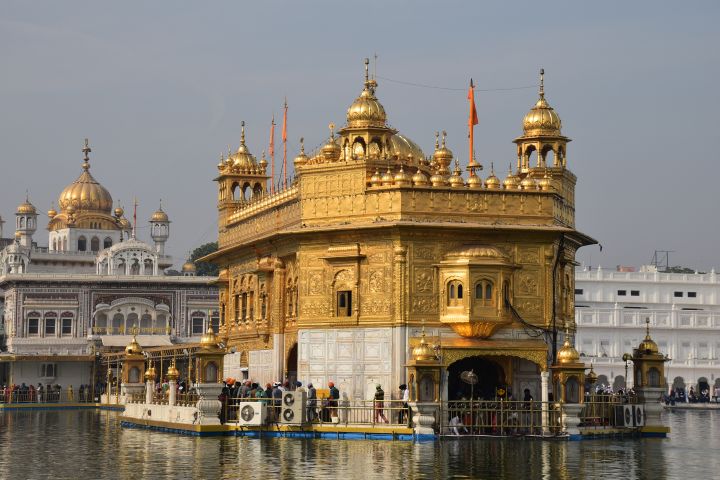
89,287
611,310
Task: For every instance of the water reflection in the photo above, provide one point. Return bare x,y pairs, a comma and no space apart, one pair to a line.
85,444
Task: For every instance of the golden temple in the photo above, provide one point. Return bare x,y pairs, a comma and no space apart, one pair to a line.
332,277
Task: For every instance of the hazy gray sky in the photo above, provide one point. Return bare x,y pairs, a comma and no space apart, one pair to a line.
160,88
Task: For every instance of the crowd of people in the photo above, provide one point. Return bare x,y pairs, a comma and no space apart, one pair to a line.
234,392
679,395
50,393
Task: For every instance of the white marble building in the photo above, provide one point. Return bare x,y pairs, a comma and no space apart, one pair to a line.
92,283
611,308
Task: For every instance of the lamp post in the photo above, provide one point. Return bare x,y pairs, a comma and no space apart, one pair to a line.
626,358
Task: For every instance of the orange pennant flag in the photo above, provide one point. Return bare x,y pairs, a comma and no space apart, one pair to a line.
473,120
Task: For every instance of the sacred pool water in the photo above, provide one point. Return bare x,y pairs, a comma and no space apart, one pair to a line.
88,444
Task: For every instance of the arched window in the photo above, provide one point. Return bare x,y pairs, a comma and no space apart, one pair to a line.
95,244
107,243
134,375
484,293
211,373
135,268
572,390
653,377
82,244
148,267
455,293
234,190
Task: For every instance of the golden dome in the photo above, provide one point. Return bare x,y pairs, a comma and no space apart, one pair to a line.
26,208
474,181
189,267
133,348
242,159
545,183
403,148
528,183
541,119
159,216
387,178
172,372
648,346
567,354
331,150
423,351
591,376
438,180
301,159
402,179
52,212
376,179
492,182
442,155
366,110
420,179
477,251
456,180
511,182
209,341
85,193
119,212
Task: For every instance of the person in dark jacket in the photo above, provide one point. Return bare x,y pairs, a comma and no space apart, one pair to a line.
378,404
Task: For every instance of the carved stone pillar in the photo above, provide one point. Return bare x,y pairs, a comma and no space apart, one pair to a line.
400,283
571,418
208,407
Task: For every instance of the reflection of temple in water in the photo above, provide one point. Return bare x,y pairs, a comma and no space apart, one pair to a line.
332,277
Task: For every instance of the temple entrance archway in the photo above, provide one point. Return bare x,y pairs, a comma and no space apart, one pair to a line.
490,376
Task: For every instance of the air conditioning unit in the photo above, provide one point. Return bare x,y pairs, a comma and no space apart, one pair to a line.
638,415
252,413
624,416
293,408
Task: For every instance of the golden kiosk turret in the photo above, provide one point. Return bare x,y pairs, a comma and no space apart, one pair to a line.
209,359
569,374
424,372
650,384
132,368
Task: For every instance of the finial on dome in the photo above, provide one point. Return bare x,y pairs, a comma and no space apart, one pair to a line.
331,126
437,140
542,83
647,327
242,132
444,134
302,144
367,71
86,157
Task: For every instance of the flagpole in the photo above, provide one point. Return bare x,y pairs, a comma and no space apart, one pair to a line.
472,121
284,139
272,154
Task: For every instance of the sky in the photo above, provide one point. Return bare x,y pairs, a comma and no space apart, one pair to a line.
160,89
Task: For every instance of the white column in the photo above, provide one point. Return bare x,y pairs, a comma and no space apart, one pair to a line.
544,396
278,364
172,398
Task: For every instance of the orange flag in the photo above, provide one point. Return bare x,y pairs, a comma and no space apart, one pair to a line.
472,121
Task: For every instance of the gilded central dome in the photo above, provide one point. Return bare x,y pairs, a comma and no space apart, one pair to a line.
85,193
567,354
366,110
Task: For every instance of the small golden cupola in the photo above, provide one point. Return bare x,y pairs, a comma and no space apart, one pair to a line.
26,208
420,179
442,156
567,354
331,150
301,158
648,345
492,182
402,179
52,212
542,135
242,159
511,182
423,351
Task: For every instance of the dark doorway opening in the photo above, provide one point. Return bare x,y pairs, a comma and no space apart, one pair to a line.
292,361
490,377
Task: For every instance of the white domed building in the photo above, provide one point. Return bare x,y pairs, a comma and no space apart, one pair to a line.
90,286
